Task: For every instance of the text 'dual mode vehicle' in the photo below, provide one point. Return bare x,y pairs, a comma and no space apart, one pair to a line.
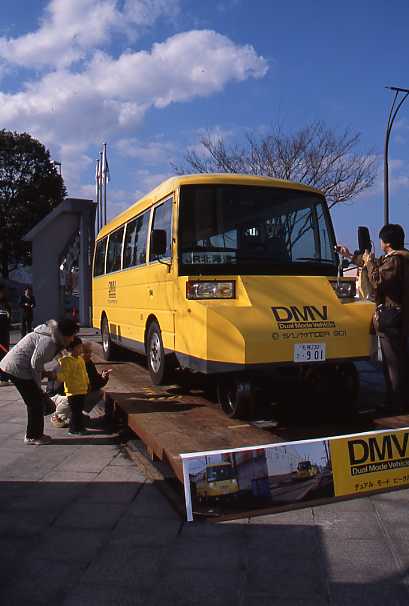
235,277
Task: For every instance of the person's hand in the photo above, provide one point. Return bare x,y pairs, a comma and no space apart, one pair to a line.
105,373
343,251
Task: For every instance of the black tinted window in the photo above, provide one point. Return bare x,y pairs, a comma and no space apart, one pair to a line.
135,241
99,261
162,219
115,250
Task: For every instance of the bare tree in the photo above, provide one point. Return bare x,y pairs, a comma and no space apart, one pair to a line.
315,155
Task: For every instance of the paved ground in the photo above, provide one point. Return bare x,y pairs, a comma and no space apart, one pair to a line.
80,524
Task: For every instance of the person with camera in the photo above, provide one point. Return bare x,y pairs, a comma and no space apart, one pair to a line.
389,278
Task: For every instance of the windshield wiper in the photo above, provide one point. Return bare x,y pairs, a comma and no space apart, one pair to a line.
316,259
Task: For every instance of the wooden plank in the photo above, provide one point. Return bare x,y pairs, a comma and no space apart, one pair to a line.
172,420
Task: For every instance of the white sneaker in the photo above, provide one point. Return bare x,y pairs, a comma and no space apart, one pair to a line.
38,441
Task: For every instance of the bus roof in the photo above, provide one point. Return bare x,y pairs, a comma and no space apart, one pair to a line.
168,186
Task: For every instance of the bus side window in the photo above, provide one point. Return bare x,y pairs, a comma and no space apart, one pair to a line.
135,241
162,219
115,250
99,263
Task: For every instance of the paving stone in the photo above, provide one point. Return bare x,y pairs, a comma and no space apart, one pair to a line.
204,529
93,516
122,474
9,429
228,554
112,594
284,540
8,457
258,599
199,588
69,545
358,561
93,462
26,523
135,566
122,460
133,530
69,476
285,576
374,594
359,505
112,492
298,516
39,581
349,524
151,503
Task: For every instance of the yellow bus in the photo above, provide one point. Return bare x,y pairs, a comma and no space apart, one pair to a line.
233,276
219,480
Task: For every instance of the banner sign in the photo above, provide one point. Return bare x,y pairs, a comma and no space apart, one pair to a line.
284,475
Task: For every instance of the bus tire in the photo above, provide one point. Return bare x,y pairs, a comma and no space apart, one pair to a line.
158,365
107,345
236,398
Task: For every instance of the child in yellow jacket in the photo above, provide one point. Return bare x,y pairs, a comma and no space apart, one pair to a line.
76,384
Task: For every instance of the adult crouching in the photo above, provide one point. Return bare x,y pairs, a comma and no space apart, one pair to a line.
24,366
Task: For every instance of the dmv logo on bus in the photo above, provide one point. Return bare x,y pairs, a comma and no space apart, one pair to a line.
112,289
308,316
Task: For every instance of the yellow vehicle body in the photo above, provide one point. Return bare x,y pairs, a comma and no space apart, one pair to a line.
218,481
271,312
306,470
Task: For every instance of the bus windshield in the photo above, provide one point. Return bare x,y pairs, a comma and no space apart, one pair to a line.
218,473
241,229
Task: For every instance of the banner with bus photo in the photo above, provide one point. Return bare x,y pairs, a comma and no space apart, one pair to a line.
277,477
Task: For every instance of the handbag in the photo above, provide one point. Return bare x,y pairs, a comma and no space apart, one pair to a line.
388,319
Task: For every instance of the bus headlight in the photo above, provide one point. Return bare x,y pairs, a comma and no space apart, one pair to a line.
200,289
345,289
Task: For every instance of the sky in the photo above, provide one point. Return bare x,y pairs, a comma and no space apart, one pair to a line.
150,77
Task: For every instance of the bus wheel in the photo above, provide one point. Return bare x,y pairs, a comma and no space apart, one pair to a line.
158,365
236,398
107,345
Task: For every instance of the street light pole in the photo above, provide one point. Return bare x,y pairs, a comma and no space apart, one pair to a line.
392,115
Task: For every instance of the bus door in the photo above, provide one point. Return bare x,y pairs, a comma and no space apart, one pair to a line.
160,290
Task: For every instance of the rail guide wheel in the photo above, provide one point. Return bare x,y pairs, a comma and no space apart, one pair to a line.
236,397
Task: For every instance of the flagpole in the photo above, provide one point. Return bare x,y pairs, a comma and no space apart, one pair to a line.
101,214
97,191
105,183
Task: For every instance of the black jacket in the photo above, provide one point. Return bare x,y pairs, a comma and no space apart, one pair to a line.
27,305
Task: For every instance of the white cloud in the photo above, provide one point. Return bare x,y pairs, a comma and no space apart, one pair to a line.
110,95
71,27
83,96
150,152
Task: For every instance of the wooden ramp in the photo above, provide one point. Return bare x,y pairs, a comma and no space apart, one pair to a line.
172,420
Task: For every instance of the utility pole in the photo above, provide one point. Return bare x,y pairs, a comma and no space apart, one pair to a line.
392,115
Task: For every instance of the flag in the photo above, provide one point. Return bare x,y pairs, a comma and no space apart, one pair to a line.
105,167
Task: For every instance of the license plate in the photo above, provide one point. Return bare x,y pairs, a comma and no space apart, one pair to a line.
309,352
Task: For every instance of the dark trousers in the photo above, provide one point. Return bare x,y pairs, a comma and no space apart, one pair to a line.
77,405
395,360
34,400
4,343
26,325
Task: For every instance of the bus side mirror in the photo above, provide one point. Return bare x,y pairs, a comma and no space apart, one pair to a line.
364,240
158,242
